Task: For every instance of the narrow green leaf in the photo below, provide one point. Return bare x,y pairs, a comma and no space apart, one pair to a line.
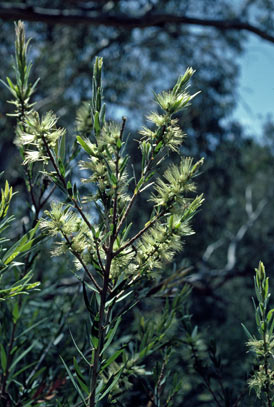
269,315
22,355
61,167
31,327
85,146
110,336
97,126
112,384
15,312
266,287
248,334
62,147
123,165
194,332
257,318
126,231
73,381
98,390
271,328
78,349
138,186
3,358
122,297
80,377
122,280
119,144
26,367
102,114
94,331
11,85
158,147
69,188
113,179
91,286
24,244
87,302
82,384
144,352
31,378
111,359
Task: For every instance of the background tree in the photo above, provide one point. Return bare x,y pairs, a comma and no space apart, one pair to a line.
145,46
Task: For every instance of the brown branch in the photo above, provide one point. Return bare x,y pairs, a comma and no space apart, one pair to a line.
78,256
140,233
72,17
42,203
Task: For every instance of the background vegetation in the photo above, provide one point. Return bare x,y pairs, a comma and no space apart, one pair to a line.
146,45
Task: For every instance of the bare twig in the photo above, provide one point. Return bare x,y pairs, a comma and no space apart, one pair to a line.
231,252
228,270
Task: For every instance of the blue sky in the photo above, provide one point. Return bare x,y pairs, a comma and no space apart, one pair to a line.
256,85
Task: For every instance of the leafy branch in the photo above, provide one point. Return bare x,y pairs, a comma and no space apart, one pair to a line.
108,260
263,347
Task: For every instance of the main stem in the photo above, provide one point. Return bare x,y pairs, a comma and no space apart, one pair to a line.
101,331
103,295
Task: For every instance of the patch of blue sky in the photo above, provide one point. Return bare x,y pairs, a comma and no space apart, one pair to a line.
256,86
